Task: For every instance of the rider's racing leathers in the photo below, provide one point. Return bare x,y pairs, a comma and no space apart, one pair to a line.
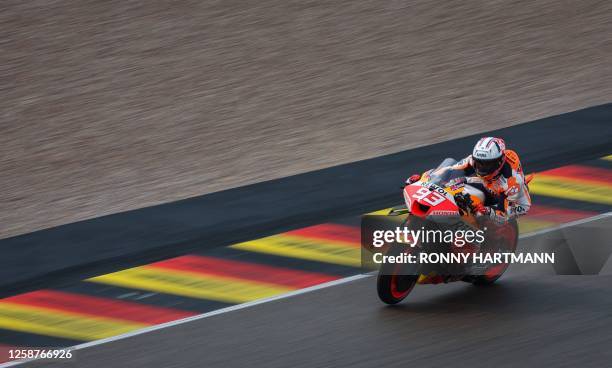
507,195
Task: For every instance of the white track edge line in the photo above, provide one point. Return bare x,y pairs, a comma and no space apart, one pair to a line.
197,317
277,297
566,225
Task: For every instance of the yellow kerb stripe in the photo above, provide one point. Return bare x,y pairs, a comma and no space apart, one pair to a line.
190,284
383,212
327,251
563,187
51,322
527,225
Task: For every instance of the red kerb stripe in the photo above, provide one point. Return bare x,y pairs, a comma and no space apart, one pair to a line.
244,270
349,234
96,306
585,173
557,214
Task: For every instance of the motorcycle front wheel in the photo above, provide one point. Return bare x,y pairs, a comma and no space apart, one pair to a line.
394,281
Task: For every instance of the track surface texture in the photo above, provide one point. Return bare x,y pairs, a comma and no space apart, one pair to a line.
216,279
524,320
113,105
105,244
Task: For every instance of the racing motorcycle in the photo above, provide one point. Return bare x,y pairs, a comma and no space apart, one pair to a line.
438,202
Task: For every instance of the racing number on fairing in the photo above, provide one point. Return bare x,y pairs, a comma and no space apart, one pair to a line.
429,197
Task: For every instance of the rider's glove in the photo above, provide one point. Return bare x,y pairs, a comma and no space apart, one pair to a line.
481,210
413,178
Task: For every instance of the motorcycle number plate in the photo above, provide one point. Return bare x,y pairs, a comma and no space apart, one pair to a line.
432,198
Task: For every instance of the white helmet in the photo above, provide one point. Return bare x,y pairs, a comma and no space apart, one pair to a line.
488,156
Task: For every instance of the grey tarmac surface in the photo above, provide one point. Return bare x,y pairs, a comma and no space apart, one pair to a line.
532,317
114,105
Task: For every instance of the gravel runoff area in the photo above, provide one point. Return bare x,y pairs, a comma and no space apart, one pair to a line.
114,105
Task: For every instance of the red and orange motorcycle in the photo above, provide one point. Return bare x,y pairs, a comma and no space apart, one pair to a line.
437,203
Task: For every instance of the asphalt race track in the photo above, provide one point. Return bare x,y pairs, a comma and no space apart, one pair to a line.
526,319
533,316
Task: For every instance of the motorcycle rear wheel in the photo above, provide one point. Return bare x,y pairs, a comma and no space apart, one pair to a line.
495,273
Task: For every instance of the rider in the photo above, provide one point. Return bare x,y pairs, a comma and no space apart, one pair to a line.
498,173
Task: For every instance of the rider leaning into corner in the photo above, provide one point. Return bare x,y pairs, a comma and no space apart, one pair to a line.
498,173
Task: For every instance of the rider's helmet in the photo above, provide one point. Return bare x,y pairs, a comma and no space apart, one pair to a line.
488,157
